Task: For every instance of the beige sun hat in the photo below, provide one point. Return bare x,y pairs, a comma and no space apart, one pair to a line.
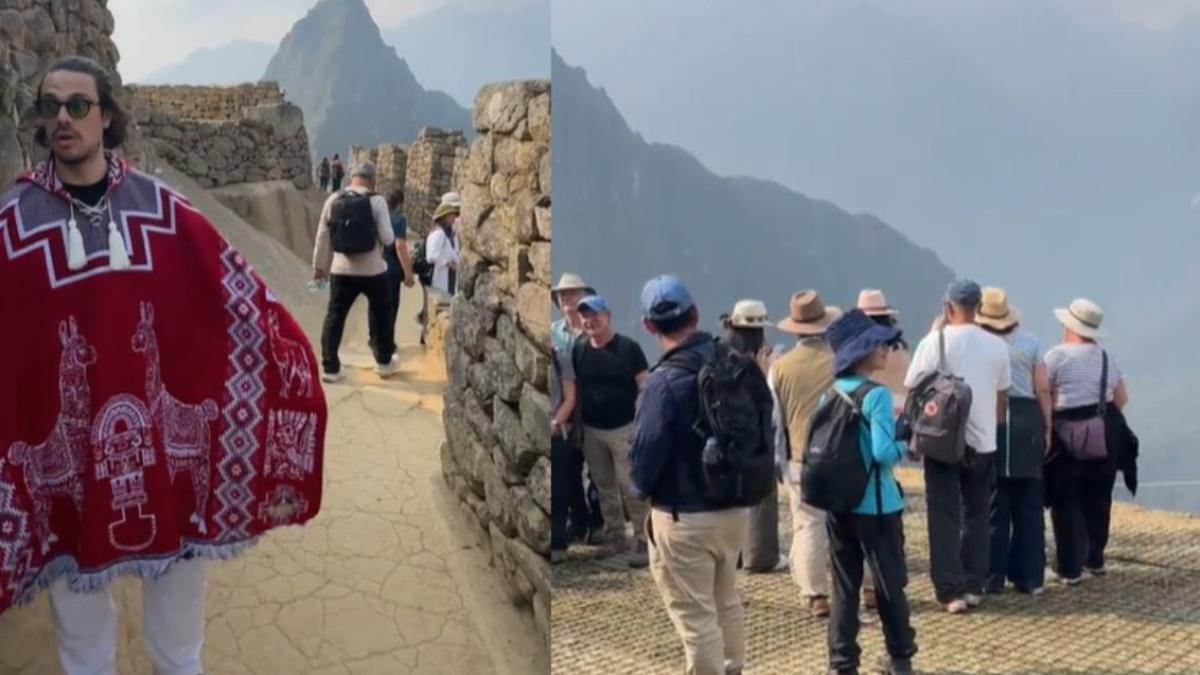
452,198
994,310
1083,318
444,210
872,302
807,315
570,282
748,314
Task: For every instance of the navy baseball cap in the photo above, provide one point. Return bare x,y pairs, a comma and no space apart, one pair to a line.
964,293
665,297
592,303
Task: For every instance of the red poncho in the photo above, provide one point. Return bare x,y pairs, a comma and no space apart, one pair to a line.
167,410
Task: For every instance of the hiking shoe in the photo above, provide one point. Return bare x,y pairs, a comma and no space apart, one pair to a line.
781,566
972,600
389,368
888,665
1097,571
333,377
640,558
1035,592
818,606
1072,581
868,599
957,606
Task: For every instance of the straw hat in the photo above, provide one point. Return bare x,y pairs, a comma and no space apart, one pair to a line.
570,282
749,314
1083,318
873,303
444,210
995,312
807,315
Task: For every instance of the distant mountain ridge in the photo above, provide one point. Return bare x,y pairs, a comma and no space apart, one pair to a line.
353,88
633,209
228,64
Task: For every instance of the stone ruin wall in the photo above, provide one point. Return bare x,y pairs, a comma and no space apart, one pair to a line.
425,170
226,135
32,36
207,103
496,457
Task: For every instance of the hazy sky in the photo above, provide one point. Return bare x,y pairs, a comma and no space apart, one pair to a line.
151,34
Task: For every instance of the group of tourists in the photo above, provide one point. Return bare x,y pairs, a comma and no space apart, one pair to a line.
692,451
330,174
362,249
167,410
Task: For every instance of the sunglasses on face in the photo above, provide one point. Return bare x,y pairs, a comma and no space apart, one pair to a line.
77,107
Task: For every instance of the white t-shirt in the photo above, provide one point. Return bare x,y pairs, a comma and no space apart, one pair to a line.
979,358
441,251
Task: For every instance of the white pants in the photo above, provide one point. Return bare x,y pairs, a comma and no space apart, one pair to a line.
85,624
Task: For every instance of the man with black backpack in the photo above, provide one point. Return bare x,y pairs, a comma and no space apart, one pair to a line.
353,230
702,466
957,382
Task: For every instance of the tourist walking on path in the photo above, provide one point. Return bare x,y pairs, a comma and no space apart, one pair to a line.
568,502
744,332
323,174
1091,441
337,172
798,379
695,540
958,495
441,250
609,369
148,451
872,532
353,231
399,262
1022,439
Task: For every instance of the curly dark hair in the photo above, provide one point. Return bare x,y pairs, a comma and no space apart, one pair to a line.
395,199
118,127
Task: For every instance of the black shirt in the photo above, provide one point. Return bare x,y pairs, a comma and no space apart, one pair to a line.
88,194
607,381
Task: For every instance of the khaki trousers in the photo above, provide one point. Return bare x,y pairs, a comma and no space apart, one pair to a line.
607,454
809,555
694,564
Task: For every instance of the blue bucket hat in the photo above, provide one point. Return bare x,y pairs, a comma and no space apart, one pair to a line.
592,303
665,297
854,336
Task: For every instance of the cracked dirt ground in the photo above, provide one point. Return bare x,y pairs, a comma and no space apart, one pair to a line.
1144,617
385,580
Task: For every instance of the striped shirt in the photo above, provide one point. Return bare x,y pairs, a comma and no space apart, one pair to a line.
1074,371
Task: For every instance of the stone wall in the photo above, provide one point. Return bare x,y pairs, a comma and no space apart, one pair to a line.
205,135
497,413
32,36
207,103
428,174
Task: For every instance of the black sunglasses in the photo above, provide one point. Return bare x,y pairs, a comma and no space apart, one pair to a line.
77,107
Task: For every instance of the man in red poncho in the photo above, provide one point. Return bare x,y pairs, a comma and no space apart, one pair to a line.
160,407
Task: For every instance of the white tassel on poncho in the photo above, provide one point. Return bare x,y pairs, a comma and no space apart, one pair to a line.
118,257
76,255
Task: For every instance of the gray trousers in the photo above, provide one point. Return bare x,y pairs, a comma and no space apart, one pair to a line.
958,497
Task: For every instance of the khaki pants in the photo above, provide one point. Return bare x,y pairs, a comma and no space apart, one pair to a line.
809,555
607,454
694,564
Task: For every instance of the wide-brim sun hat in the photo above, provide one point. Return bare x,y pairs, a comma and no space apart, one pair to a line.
749,314
807,315
570,282
854,336
444,210
995,311
1083,317
873,303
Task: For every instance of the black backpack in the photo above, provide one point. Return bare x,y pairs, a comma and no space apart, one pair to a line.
352,227
422,268
938,408
738,460
833,476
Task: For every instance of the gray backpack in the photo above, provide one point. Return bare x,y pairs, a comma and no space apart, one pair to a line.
937,409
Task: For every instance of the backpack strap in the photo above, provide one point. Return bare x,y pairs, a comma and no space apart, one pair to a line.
1103,407
942,350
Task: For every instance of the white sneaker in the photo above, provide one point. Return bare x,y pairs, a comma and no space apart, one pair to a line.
1038,591
1071,582
333,377
972,600
781,566
388,368
958,606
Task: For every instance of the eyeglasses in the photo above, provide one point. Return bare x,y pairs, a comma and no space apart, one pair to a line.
77,107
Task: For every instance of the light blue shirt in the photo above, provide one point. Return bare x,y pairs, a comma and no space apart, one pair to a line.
877,442
1024,352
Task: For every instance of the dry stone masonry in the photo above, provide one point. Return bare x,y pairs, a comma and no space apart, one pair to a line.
497,413
226,135
425,170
